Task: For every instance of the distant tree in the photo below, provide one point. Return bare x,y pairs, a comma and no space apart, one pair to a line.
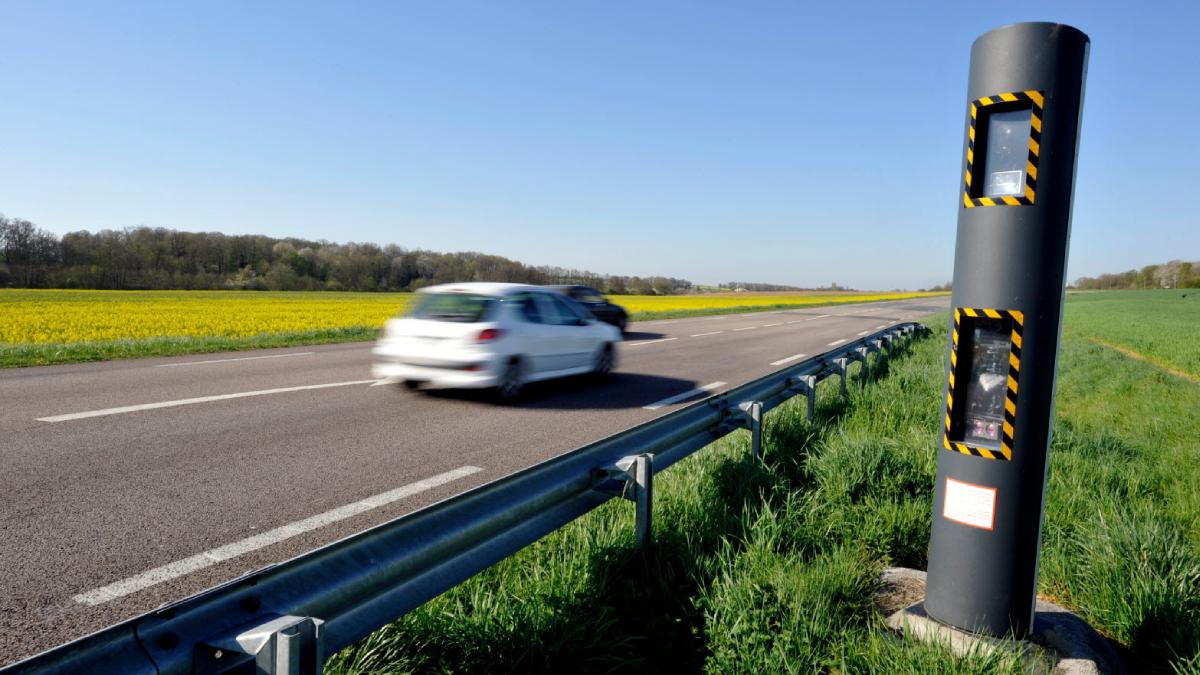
27,251
639,286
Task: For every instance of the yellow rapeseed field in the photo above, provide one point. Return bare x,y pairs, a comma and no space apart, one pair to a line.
43,317
59,317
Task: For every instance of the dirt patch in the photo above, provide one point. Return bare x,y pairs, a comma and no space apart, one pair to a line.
899,588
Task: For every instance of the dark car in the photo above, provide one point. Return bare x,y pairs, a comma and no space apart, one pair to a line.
595,302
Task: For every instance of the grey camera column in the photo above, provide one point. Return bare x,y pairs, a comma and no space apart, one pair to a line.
1012,258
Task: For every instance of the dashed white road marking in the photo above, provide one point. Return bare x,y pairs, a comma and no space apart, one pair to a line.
836,343
823,316
685,395
650,342
199,561
864,332
191,401
881,327
789,359
797,321
715,332
735,330
242,358
771,325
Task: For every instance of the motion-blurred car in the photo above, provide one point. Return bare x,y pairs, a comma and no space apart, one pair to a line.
478,335
596,304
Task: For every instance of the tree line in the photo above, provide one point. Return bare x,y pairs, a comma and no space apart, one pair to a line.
144,258
760,287
1173,274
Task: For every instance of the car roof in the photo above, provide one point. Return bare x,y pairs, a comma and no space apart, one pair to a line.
481,288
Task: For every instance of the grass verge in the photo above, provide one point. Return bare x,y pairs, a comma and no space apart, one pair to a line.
771,566
17,356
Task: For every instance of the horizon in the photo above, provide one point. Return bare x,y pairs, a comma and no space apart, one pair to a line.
687,144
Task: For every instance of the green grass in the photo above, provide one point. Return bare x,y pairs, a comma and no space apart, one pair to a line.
1159,325
771,566
18,356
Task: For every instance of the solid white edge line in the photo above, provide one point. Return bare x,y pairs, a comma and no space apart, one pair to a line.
179,568
191,401
650,342
685,395
789,359
243,358
715,332
836,343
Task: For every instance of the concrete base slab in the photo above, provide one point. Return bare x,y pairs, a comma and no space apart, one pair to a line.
1061,643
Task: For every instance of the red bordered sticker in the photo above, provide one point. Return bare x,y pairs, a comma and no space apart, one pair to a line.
970,504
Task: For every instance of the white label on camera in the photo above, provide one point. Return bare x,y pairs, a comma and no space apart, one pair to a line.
970,504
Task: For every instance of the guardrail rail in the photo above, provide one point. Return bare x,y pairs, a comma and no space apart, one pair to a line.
284,619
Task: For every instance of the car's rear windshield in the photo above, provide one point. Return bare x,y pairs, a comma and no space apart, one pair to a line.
458,307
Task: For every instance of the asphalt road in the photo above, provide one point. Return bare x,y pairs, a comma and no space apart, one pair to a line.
129,484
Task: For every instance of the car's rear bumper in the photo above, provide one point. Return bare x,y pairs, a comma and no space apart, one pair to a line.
464,374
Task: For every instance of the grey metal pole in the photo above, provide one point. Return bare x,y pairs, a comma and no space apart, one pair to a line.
1024,101
643,469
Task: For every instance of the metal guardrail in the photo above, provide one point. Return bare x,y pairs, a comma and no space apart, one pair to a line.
283,619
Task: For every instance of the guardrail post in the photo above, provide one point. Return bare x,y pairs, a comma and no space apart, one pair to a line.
753,415
286,645
639,472
807,385
840,365
876,347
861,357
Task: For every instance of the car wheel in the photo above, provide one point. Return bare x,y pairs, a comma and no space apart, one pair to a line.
411,385
512,381
606,360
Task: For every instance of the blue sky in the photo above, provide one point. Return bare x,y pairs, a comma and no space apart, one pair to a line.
785,142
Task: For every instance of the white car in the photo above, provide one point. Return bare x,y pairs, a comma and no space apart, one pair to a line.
476,335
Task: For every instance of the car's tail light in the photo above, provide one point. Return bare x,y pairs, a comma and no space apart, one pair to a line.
489,334
473,368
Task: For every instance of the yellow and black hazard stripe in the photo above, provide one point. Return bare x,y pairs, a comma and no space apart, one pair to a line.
1034,98
1014,377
